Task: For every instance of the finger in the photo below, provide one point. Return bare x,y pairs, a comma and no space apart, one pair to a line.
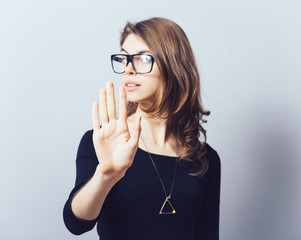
136,131
122,104
111,100
103,106
95,116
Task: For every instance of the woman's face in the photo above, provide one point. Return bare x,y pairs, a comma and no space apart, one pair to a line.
140,88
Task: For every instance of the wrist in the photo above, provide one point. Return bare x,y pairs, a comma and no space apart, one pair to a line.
108,177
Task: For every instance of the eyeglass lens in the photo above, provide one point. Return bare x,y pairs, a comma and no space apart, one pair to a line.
142,63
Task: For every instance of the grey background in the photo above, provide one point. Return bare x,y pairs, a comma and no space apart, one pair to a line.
54,58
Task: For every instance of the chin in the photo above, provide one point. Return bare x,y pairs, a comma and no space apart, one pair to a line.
133,99
137,98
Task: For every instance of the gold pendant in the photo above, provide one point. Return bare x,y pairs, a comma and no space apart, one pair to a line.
169,212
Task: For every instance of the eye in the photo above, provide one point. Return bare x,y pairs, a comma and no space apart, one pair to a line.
146,58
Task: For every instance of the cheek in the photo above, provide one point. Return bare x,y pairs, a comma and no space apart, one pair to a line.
156,88
155,83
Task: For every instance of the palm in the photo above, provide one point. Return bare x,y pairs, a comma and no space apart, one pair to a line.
115,147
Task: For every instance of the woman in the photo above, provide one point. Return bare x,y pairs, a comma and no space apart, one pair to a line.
145,174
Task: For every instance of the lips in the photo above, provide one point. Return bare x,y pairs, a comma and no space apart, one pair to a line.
131,86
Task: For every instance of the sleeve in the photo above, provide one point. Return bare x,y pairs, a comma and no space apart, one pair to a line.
207,226
86,163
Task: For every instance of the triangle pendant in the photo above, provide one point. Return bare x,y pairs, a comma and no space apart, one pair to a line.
169,209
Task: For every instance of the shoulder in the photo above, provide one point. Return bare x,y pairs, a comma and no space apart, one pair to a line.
87,137
86,144
210,150
88,134
212,157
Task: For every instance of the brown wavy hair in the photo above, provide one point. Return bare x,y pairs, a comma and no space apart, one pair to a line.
180,103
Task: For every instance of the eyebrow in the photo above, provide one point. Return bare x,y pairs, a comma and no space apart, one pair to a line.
140,52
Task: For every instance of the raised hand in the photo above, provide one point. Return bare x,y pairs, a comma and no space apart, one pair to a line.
114,145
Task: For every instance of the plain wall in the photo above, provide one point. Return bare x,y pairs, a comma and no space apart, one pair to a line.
54,58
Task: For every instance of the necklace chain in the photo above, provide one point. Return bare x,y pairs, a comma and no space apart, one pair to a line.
173,182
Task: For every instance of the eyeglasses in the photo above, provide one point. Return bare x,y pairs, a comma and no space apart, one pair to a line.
142,63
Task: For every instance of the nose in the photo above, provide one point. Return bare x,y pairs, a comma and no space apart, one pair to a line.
129,69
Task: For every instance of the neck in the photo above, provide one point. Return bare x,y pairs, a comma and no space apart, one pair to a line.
153,128
153,133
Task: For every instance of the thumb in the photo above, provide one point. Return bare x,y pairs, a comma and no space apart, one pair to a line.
136,131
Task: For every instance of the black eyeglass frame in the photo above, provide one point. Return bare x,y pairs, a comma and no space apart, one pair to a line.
129,59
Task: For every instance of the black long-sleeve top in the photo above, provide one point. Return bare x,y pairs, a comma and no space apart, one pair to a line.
131,209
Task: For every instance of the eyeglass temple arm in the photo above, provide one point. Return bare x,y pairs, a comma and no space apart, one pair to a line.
119,59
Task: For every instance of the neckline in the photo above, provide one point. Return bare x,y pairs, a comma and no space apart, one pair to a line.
157,154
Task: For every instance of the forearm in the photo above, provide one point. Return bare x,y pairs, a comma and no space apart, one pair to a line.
88,201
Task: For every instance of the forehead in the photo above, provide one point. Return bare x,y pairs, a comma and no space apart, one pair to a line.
134,44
